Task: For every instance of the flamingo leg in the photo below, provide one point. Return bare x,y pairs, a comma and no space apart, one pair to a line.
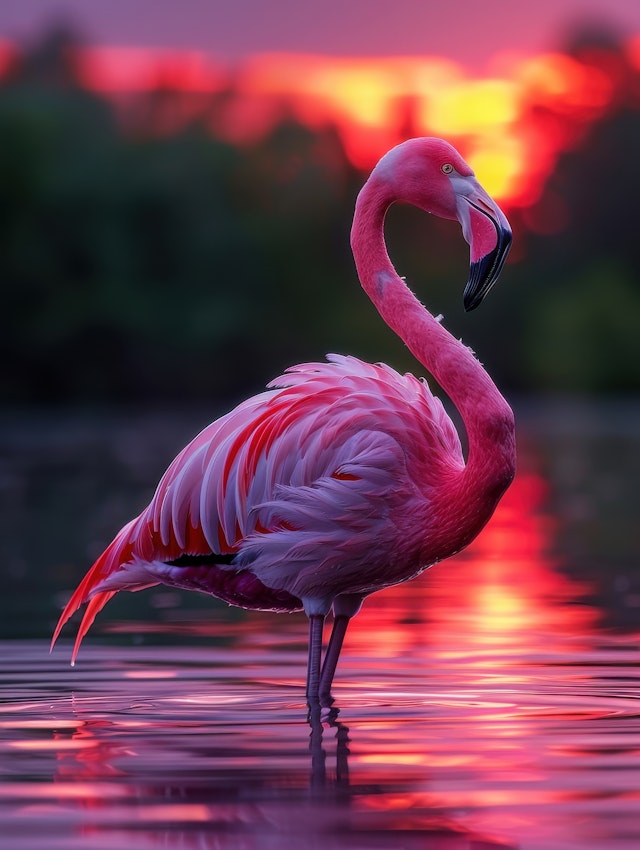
316,622
345,607
332,655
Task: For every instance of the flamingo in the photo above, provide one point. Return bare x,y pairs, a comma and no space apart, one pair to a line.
343,477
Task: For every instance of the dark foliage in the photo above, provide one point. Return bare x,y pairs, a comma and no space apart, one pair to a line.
178,268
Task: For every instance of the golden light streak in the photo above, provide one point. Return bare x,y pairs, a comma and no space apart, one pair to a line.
500,163
151,674
393,757
473,106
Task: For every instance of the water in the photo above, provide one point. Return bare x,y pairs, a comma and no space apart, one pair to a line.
493,703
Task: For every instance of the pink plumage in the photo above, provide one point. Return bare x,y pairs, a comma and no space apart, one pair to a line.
343,477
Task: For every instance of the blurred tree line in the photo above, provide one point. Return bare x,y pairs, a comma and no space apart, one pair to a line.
180,268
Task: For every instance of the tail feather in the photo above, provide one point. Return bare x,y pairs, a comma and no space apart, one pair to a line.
114,556
95,604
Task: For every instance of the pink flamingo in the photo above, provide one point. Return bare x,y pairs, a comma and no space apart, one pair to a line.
344,477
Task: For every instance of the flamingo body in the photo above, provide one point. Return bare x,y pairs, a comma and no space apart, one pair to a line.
343,477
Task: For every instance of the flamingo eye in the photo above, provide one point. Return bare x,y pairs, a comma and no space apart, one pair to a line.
447,168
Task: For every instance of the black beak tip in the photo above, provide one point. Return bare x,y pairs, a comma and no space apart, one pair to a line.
477,286
484,272
471,302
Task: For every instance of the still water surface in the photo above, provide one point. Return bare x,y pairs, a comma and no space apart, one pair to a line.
492,703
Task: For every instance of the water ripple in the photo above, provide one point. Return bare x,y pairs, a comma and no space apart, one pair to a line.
180,747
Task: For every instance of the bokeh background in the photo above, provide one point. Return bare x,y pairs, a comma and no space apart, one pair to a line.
174,221
176,190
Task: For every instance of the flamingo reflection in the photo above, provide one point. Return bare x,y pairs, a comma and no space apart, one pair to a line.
227,809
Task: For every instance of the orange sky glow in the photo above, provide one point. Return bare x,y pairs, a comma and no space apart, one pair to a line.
511,125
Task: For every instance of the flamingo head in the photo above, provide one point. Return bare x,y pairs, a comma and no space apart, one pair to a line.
430,174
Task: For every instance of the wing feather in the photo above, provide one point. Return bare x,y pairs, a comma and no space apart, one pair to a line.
307,480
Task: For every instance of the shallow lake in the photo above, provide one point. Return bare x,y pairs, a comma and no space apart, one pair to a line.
492,703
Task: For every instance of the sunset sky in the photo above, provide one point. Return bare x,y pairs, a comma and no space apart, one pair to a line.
468,71
470,33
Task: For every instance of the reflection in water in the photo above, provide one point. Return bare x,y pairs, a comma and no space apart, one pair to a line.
482,706
501,601
214,760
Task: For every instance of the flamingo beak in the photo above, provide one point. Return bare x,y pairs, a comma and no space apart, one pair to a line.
488,233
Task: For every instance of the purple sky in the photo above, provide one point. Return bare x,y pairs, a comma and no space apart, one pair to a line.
467,31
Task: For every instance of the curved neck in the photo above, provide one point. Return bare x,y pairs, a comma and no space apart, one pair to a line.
486,415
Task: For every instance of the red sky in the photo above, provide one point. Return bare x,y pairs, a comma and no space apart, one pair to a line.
469,32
